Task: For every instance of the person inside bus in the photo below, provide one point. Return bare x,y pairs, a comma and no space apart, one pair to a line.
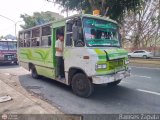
59,56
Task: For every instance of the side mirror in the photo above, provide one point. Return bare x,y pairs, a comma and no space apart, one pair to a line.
75,33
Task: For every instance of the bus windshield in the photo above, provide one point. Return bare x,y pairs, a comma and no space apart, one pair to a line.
8,45
3,46
100,33
12,45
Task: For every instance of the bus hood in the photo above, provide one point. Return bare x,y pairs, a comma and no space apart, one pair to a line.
111,53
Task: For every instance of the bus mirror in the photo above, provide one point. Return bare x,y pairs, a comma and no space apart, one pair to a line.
75,33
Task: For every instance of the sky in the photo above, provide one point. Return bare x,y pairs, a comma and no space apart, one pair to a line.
12,9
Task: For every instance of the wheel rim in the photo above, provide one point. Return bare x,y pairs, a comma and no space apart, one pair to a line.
81,86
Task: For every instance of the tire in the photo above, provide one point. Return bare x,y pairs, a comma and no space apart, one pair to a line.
114,83
129,56
81,85
16,62
34,73
145,56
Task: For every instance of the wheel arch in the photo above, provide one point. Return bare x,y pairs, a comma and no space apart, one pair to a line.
74,70
30,66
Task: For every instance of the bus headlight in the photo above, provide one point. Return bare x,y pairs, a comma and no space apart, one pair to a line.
101,66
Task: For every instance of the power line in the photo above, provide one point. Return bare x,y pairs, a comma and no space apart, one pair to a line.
7,18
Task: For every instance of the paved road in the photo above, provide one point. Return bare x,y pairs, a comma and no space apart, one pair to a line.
138,94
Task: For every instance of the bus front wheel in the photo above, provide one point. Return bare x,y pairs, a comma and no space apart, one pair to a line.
81,85
34,73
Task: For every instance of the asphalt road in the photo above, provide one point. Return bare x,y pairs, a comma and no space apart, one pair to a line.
138,94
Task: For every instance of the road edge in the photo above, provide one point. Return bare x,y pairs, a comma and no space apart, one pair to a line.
13,82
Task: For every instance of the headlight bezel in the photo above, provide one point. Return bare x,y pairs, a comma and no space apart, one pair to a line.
100,66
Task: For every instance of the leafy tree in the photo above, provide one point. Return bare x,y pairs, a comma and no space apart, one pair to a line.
1,37
38,18
115,9
142,28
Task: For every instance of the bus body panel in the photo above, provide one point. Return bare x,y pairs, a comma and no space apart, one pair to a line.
75,59
41,58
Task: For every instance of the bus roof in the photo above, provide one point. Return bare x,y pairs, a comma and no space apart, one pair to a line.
86,15
8,40
46,24
77,15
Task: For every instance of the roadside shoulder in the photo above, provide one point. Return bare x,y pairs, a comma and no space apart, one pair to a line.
145,63
23,99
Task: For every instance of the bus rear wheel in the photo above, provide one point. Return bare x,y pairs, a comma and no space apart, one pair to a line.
34,73
81,85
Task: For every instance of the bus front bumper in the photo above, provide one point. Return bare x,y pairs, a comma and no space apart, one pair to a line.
111,78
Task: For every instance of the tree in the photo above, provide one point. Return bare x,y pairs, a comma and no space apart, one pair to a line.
39,18
1,37
115,9
142,28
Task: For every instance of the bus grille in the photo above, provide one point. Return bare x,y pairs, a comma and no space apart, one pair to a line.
115,63
8,57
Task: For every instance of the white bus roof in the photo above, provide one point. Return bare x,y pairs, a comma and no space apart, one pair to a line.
5,40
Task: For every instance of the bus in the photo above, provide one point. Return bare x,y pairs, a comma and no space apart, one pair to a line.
92,55
8,51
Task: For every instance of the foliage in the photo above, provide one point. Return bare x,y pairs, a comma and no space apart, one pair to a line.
1,37
115,9
142,28
37,19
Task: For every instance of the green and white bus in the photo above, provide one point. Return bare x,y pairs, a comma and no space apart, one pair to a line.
92,52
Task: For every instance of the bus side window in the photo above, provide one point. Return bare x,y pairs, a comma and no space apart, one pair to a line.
49,40
27,36
69,34
80,41
46,36
68,39
21,39
35,40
